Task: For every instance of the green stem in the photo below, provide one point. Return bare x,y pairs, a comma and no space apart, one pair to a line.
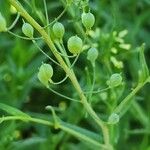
71,56
138,131
14,23
62,125
56,19
97,91
22,37
46,15
119,109
59,82
69,72
63,51
64,96
92,87
34,42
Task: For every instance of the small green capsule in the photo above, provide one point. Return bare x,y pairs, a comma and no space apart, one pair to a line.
69,1
28,30
45,74
58,30
115,80
88,20
75,44
3,27
92,54
113,118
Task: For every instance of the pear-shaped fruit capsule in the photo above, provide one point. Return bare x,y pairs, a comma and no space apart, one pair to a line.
58,30
3,27
88,20
45,74
115,80
75,44
28,30
113,118
69,2
92,54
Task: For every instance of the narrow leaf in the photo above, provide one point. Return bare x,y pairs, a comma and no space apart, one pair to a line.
144,72
13,111
83,131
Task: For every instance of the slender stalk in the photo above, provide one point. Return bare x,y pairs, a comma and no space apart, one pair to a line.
59,82
62,125
69,72
64,96
14,23
34,42
92,87
128,99
63,52
97,91
46,16
56,19
23,37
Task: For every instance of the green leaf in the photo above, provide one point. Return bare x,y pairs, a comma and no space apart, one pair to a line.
13,111
144,72
79,132
27,143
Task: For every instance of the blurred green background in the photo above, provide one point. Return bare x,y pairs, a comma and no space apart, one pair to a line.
19,86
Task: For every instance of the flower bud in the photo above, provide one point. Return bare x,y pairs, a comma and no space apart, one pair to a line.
115,80
3,27
75,44
45,73
28,30
88,20
58,30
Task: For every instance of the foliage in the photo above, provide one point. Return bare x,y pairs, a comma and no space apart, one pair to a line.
77,109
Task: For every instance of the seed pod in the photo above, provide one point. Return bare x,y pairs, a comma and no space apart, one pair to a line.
88,20
69,1
3,27
115,80
45,73
75,44
28,30
113,118
58,30
92,54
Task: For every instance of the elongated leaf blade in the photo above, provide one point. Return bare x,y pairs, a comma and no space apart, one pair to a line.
13,111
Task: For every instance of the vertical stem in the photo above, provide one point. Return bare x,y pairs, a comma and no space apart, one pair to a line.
93,83
63,52
46,15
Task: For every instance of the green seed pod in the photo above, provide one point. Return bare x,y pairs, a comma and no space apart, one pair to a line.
75,44
3,27
113,118
28,30
115,80
58,30
88,20
45,73
69,1
92,54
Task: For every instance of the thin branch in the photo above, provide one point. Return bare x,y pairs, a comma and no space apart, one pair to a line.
14,23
